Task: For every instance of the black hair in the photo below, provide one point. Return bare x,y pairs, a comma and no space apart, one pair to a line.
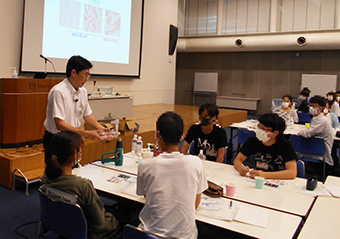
289,97
305,92
273,121
78,63
170,126
318,99
63,145
211,108
331,102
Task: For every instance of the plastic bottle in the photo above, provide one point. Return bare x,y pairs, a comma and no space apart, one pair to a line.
201,155
15,73
134,144
139,146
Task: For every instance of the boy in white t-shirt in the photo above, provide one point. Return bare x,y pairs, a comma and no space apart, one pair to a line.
172,184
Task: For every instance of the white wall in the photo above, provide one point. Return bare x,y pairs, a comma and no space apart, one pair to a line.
157,82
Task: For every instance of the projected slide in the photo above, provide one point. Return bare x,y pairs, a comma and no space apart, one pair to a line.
98,30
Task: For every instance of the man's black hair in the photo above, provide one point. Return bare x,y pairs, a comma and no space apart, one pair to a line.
318,99
273,121
78,63
170,126
289,97
305,92
211,108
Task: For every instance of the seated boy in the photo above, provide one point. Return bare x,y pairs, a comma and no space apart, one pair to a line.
172,184
274,155
320,126
207,136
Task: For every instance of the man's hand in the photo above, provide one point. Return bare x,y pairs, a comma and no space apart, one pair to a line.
255,173
244,170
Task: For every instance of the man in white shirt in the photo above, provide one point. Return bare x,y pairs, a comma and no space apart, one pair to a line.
68,105
172,184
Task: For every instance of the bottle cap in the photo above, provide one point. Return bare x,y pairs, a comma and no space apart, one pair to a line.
119,143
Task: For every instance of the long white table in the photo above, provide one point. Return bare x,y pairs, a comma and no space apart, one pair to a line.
323,220
291,198
280,224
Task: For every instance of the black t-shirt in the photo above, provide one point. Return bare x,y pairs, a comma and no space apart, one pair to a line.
269,158
304,107
210,143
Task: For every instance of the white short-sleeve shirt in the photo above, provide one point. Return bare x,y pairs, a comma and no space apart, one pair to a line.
170,183
68,104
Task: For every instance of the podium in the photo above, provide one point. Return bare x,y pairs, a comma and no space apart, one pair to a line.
23,103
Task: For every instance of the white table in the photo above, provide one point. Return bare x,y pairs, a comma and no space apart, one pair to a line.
291,198
323,220
280,224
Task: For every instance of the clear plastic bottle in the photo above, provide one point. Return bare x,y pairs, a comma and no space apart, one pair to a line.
201,155
139,146
134,144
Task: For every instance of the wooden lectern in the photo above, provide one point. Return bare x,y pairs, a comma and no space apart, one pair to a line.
23,104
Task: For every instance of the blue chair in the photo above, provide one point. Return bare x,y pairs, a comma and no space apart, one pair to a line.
307,147
300,168
243,135
65,219
304,117
131,232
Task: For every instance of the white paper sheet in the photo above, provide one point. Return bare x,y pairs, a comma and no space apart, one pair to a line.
334,190
253,215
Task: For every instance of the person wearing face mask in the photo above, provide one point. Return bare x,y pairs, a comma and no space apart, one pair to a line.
65,151
286,112
207,136
274,155
172,184
303,100
333,100
321,127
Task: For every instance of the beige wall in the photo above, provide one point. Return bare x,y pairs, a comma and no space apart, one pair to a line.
264,75
157,81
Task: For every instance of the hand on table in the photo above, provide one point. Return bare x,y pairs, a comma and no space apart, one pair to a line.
244,170
254,173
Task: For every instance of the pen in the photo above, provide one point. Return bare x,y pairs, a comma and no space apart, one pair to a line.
231,204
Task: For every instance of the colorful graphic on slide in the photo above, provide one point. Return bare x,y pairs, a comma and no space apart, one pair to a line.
69,14
93,19
113,22
99,30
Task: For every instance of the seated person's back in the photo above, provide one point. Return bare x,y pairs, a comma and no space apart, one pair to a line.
58,174
172,184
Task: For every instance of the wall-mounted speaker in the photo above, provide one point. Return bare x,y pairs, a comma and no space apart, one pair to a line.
173,35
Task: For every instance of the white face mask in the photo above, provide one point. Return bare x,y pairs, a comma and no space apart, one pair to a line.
313,111
329,97
262,135
325,111
285,104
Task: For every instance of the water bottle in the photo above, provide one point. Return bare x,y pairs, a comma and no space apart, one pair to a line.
134,144
139,146
201,155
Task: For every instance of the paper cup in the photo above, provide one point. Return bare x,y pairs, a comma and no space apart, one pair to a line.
259,182
230,189
146,155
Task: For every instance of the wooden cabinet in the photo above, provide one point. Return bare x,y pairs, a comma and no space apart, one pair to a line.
23,104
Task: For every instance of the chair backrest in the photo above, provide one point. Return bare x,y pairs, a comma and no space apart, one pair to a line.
304,117
63,218
243,135
192,148
276,102
308,145
300,168
131,232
